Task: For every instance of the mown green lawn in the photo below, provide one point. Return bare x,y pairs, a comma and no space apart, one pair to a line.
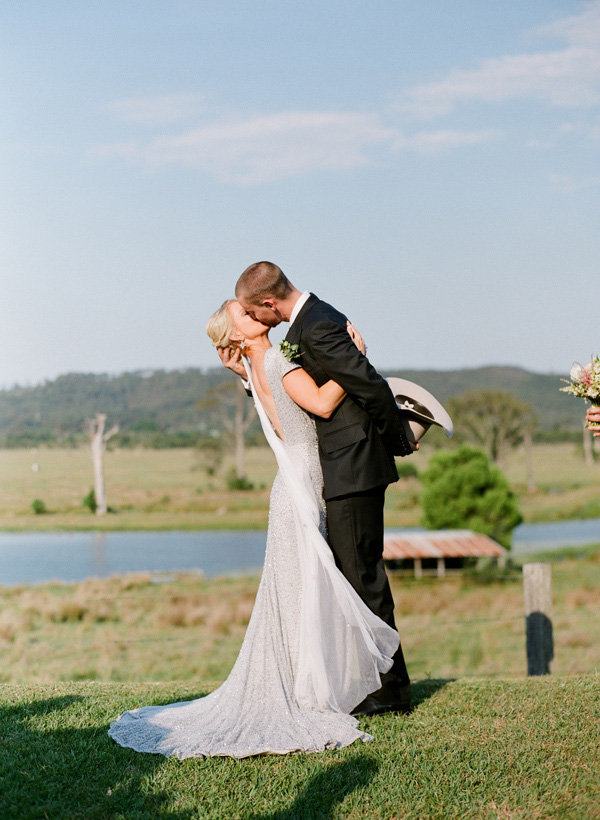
509,749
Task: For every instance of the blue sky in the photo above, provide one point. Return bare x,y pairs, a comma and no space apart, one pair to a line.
430,168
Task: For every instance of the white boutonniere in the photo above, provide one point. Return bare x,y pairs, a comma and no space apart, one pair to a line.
289,350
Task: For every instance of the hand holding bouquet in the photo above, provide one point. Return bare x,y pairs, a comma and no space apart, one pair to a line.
593,420
585,383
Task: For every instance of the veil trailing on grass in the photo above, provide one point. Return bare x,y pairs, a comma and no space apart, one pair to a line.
344,647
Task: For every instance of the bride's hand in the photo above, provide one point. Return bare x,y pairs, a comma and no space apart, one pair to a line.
231,360
356,338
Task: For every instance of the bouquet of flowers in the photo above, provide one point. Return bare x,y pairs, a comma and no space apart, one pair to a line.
585,381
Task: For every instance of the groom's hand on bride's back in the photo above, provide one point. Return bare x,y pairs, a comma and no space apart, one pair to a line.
232,361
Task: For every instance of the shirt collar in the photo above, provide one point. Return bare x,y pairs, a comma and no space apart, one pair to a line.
298,306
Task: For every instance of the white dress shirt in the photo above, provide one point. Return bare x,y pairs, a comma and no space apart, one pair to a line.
298,306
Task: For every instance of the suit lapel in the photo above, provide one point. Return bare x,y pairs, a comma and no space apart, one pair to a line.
295,331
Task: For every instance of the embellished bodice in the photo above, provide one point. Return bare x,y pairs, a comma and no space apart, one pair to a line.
297,426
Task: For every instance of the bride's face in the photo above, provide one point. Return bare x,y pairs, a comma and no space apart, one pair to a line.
246,327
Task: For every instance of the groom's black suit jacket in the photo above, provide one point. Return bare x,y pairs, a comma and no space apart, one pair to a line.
357,444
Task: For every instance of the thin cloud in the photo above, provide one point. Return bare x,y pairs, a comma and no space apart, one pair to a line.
578,29
567,184
591,130
435,142
155,111
266,148
568,77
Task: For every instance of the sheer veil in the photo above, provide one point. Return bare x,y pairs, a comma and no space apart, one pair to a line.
344,647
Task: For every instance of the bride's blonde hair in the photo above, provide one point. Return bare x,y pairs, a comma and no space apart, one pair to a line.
220,327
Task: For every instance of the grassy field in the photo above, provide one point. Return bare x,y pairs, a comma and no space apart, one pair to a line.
131,628
472,749
170,489
482,743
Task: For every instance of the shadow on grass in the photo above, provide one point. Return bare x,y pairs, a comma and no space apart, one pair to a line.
326,789
424,689
57,771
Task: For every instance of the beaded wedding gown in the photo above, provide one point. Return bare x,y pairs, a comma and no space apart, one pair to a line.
312,650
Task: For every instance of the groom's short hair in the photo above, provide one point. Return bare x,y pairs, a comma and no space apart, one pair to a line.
263,280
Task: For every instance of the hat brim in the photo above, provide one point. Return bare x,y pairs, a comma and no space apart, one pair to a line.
421,408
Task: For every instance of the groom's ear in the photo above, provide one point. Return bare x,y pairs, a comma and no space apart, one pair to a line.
270,303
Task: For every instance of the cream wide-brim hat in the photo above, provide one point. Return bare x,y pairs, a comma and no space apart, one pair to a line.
420,409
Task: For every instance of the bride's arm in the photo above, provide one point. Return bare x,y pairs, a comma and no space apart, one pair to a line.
321,401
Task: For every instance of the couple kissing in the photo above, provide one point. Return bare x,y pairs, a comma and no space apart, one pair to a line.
321,649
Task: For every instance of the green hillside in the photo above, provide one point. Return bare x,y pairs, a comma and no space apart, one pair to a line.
556,410
166,402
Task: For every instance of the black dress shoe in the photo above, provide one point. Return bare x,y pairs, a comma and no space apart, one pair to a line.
370,706
374,704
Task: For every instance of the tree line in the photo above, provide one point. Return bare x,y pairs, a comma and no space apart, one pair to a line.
183,408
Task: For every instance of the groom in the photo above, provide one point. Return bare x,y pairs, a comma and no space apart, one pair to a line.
357,445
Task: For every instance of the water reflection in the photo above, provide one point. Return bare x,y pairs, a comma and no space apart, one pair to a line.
99,554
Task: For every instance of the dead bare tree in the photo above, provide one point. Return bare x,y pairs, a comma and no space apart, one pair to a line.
236,412
98,439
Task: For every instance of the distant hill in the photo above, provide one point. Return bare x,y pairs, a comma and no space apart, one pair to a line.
142,402
555,410
167,401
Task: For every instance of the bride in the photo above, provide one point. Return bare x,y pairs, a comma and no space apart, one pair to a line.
313,650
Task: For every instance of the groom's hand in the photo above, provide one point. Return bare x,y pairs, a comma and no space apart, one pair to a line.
231,360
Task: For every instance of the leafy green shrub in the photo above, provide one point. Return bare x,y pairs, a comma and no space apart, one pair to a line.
235,482
90,501
490,571
38,506
407,469
463,490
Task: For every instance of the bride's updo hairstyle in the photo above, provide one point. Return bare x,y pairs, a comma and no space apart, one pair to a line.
220,326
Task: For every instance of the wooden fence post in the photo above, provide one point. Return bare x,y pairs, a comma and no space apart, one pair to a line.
537,590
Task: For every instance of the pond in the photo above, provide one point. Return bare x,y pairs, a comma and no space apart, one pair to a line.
35,557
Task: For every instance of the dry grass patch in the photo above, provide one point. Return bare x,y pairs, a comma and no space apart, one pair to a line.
188,627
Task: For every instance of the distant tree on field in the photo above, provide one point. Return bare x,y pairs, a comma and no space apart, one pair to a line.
211,453
98,439
495,421
462,490
235,412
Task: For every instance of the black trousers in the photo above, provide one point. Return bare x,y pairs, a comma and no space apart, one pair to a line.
355,524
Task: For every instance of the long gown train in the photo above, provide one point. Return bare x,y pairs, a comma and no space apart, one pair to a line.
312,650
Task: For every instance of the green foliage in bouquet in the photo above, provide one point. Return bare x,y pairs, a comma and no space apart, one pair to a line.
462,490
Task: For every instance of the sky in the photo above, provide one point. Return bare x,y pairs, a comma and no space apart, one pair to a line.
431,169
